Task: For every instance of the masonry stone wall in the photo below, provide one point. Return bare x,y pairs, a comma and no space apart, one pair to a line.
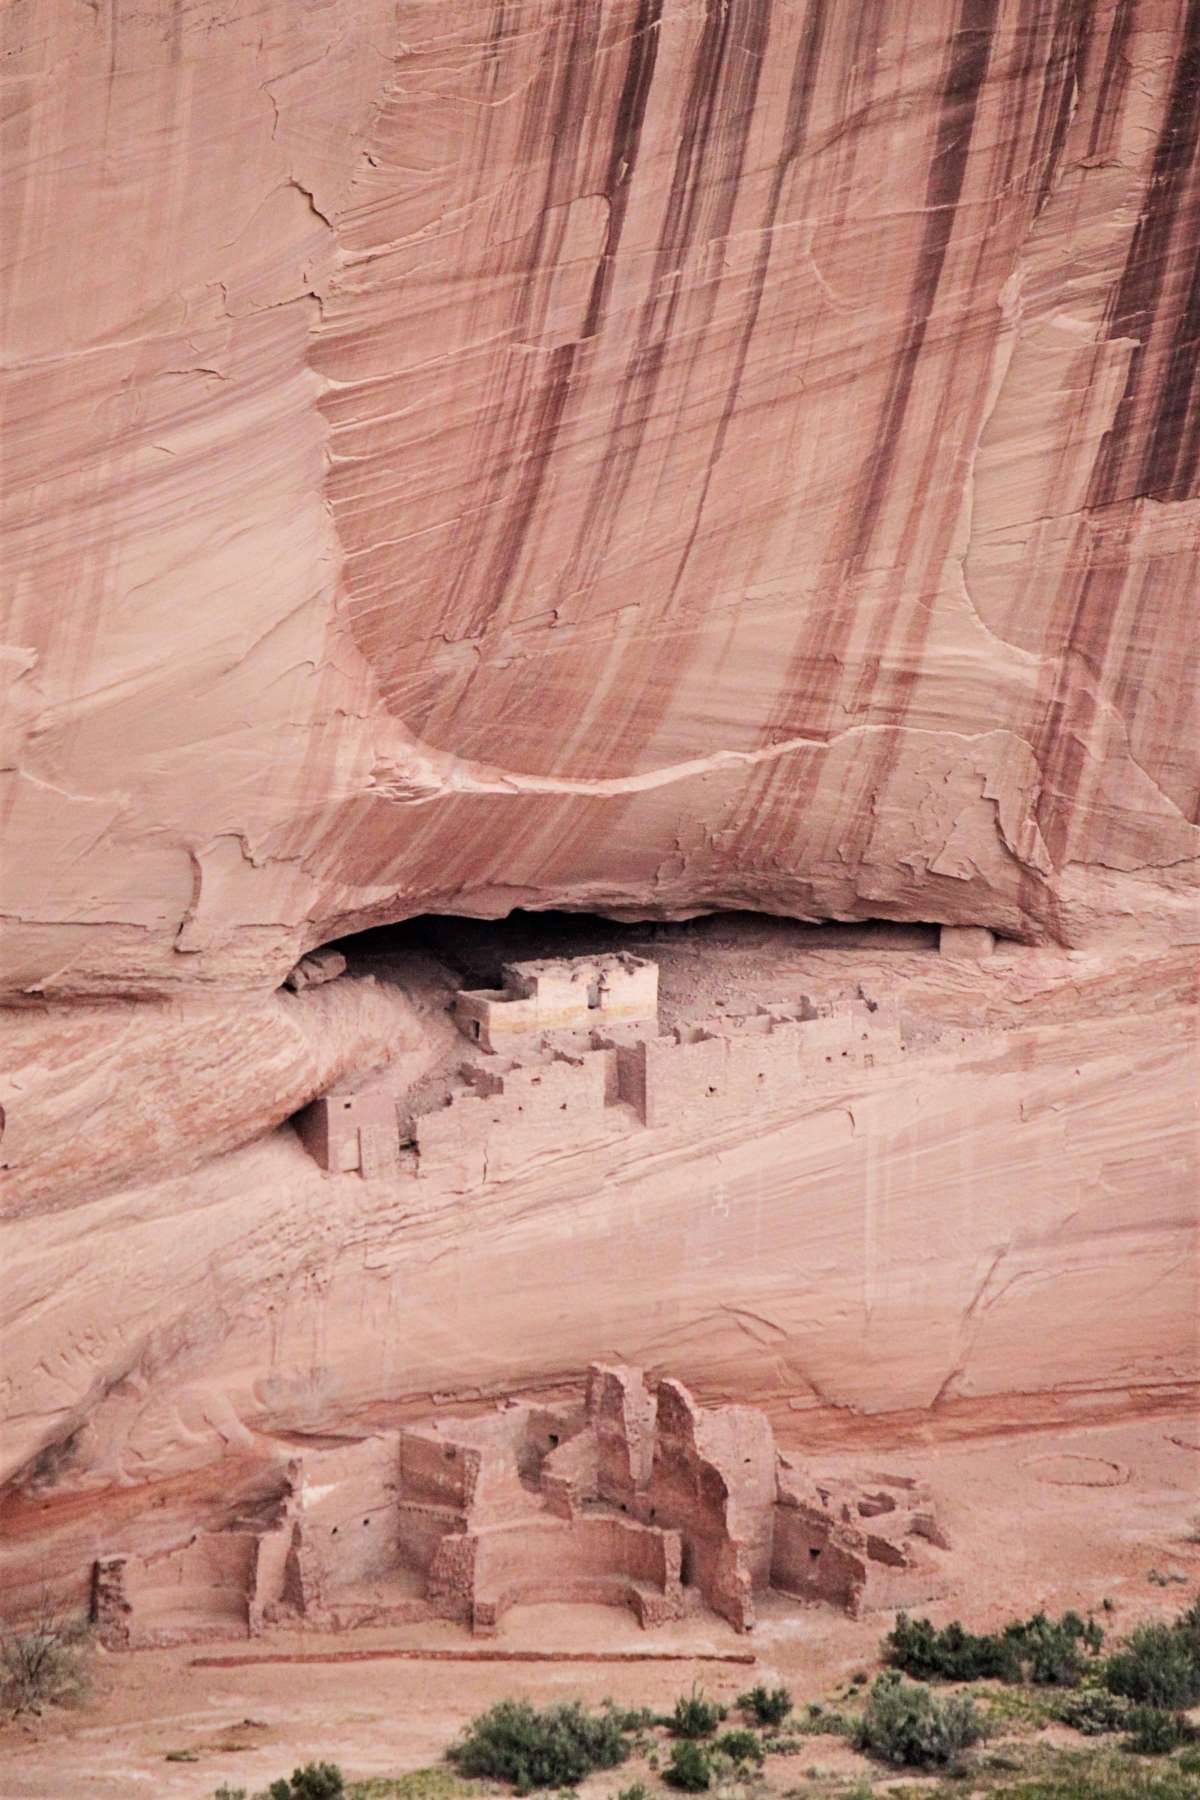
347,1523
809,1562
506,1111
200,1589
338,1128
598,1560
628,1499
559,994
769,1061
502,1118
621,1412
860,1548
713,1480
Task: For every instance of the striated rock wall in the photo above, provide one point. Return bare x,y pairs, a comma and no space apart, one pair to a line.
639,456
976,1238
981,1241
99,1097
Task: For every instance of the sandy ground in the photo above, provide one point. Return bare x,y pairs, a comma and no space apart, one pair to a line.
1044,1518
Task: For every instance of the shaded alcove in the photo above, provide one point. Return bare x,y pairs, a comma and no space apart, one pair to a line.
475,950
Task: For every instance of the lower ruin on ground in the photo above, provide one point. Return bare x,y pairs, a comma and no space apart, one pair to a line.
636,1497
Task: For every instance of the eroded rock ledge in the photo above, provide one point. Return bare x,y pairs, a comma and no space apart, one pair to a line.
981,1218
639,458
645,457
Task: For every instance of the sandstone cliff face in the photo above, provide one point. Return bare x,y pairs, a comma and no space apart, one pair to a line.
994,1238
102,1097
642,456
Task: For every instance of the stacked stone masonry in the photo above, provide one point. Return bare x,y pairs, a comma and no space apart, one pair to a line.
637,1497
559,994
575,1086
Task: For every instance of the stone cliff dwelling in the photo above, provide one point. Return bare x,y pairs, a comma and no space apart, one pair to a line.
560,993
599,791
636,1497
572,1049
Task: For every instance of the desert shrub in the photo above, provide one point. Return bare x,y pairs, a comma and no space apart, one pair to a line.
315,1781
741,1746
1153,1732
636,1792
557,1747
770,1706
1046,1651
952,1653
43,1663
1159,1664
631,1719
694,1716
689,1768
788,1745
820,1721
1092,1711
1052,1650
1094,1777
905,1724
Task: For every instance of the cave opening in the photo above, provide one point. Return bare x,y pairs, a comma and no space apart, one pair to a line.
475,950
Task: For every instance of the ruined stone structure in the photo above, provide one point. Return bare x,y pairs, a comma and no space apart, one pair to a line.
349,1132
713,1476
499,1117
582,1081
560,994
638,1498
854,1546
760,1061
216,1585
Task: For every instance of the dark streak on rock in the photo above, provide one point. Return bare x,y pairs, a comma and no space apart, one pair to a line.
626,139
1061,745
800,99
969,58
717,116
1068,57
490,559
966,70
1113,81
1153,446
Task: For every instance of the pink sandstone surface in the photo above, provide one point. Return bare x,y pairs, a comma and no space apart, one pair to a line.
640,456
643,458
995,1229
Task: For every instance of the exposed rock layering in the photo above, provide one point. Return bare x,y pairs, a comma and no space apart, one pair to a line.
642,456
638,455
995,1229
